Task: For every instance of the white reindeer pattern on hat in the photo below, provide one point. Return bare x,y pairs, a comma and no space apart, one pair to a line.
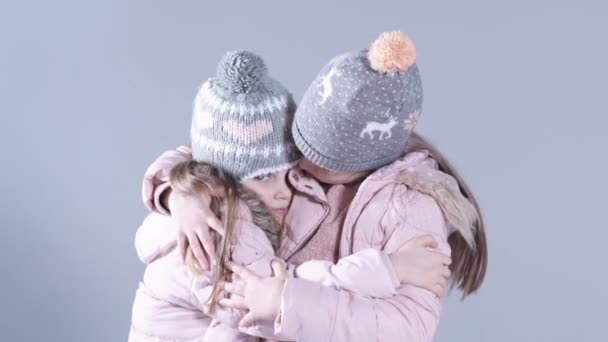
383,127
327,88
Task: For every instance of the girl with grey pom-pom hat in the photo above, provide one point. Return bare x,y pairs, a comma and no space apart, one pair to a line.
384,187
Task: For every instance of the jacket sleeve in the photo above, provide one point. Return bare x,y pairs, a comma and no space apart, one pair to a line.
156,178
411,315
171,303
351,273
253,250
164,310
219,331
156,317
368,273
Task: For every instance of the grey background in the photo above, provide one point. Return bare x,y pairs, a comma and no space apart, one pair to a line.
92,91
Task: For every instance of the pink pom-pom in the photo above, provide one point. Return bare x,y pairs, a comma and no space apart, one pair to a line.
392,51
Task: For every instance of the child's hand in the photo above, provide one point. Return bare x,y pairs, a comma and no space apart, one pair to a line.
417,265
261,297
193,217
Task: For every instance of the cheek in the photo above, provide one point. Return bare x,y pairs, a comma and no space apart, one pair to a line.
325,176
263,194
255,187
266,197
335,178
315,171
308,166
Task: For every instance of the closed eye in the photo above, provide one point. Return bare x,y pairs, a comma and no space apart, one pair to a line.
263,178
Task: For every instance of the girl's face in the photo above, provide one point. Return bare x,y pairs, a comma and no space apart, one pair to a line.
273,191
331,177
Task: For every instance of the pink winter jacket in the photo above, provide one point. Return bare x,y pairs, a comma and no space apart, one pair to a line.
171,302
384,214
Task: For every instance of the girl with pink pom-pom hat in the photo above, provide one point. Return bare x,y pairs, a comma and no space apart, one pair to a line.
353,127
382,185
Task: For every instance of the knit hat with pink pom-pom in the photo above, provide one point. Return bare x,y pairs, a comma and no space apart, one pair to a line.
358,113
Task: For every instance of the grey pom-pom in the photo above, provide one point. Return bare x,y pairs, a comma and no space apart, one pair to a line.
241,72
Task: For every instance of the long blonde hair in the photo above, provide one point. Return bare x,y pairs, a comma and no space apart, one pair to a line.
469,245
198,178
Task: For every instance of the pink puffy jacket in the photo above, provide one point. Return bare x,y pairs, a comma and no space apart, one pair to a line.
171,301
384,214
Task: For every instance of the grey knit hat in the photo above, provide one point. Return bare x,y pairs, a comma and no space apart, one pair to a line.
360,110
242,118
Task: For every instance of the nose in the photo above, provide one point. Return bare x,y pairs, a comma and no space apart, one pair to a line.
283,190
306,165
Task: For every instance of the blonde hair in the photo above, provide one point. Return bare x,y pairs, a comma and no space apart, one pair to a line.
198,178
469,245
